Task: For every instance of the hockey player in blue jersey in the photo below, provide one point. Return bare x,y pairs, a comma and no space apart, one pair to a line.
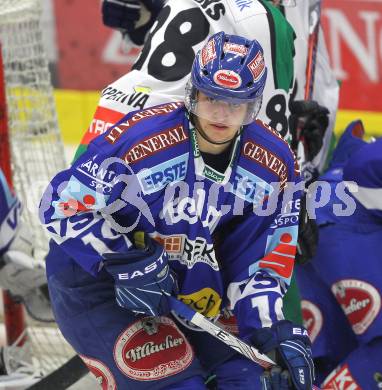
342,287
191,200
160,74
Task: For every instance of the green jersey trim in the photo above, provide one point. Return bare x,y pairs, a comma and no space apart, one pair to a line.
282,47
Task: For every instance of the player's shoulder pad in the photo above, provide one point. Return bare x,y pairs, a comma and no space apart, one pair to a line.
137,125
148,137
269,137
264,145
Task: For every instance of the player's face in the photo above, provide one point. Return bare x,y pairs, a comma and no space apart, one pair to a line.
218,119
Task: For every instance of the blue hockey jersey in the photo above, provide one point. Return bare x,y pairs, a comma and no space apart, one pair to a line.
365,170
231,237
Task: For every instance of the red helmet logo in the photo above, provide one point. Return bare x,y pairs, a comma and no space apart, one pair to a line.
208,53
234,48
257,66
227,79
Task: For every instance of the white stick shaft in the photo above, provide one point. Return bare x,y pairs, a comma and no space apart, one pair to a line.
238,345
232,341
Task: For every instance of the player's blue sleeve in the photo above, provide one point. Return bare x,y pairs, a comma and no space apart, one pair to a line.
259,254
10,210
365,170
78,208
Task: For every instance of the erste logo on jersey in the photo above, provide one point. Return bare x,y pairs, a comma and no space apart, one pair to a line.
312,318
257,66
152,349
341,379
250,187
227,79
235,48
360,301
102,373
208,53
156,178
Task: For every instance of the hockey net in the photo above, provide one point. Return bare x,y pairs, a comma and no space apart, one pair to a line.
30,144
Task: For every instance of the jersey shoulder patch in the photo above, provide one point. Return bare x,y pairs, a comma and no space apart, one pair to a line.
143,121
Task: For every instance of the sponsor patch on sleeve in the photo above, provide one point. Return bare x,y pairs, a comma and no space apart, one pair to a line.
77,197
280,253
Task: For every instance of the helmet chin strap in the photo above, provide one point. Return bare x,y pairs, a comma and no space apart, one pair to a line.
195,122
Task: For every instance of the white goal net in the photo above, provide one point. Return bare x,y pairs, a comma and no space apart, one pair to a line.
36,148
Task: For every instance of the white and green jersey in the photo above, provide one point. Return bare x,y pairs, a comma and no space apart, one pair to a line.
161,71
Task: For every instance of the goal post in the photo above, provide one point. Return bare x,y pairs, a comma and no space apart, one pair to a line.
14,319
36,147
31,153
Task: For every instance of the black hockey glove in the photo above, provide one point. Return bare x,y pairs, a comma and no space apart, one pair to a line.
128,17
308,122
307,235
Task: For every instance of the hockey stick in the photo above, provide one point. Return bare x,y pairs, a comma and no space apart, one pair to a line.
66,375
314,28
232,341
